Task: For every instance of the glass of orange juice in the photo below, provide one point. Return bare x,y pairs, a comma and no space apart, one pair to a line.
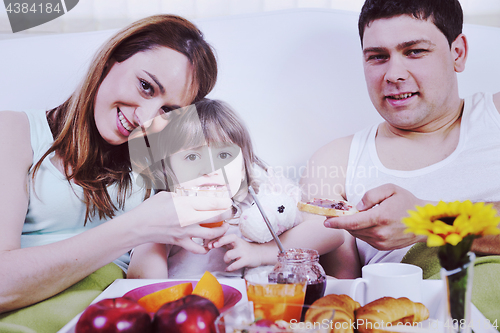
275,301
205,191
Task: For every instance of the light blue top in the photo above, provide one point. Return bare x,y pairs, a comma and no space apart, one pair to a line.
56,211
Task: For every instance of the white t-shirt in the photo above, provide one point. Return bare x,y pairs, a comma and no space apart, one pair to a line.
470,172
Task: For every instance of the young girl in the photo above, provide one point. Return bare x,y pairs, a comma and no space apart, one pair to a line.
207,150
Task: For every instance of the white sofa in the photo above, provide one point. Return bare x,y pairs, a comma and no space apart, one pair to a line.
295,76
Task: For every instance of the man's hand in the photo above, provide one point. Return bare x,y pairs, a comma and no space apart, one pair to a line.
379,221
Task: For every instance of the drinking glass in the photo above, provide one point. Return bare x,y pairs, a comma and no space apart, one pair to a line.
205,191
275,301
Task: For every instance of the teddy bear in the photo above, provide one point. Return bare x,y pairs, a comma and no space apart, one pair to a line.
278,197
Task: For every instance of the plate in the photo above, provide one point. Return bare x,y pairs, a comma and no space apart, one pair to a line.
231,295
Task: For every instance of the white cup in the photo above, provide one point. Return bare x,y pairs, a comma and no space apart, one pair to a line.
388,279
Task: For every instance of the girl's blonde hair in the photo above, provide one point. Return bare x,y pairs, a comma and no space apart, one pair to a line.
211,122
88,160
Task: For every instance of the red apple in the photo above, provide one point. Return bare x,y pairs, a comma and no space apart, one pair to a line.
120,315
265,323
190,314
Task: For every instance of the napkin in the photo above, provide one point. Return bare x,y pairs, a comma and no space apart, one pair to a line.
53,313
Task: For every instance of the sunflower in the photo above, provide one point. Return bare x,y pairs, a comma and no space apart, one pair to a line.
453,226
451,222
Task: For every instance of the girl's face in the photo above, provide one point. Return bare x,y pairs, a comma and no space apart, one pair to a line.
144,86
205,166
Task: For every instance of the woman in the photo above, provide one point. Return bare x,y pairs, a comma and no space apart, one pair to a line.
66,171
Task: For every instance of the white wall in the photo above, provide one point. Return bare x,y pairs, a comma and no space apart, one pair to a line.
109,14
287,79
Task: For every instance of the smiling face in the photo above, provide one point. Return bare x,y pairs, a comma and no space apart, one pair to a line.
410,71
203,167
146,85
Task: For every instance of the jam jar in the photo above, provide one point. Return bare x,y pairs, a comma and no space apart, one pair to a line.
295,262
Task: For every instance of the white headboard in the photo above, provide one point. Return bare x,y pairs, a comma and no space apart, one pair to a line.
294,76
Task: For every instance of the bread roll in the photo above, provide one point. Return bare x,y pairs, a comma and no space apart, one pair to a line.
375,316
328,208
344,306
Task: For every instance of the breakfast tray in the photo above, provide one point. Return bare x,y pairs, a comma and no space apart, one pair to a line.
432,298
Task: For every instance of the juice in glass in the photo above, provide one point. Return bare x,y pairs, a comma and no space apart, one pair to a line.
205,191
212,225
275,301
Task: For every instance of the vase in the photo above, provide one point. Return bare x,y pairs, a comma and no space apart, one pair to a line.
458,289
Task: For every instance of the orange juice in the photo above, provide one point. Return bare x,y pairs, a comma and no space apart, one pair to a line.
205,191
212,225
276,301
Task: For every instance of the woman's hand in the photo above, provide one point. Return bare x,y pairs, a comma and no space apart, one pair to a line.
191,210
170,219
240,253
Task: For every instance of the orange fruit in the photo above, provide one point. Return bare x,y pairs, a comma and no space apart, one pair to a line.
210,288
152,302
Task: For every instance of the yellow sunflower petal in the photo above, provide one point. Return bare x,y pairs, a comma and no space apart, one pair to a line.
440,227
491,231
470,219
453,239
435,240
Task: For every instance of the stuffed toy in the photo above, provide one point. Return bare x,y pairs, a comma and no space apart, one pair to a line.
278,197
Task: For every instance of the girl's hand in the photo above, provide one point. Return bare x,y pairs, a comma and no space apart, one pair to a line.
183,236
240,253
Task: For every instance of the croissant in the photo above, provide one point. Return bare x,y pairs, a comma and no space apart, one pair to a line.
343,320
376,315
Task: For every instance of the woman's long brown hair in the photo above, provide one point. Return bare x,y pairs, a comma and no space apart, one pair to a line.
88,160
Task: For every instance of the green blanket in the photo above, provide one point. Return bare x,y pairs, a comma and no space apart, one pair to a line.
486,282
52,314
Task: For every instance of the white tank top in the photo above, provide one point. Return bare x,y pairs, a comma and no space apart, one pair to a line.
470,172
55,210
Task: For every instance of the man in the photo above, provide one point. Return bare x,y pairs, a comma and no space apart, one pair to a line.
432,146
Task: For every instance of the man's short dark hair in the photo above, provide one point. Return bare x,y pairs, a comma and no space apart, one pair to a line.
447,15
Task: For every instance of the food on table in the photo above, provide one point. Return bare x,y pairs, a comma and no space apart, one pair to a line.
277,325
112,315
281,326
344,307
277,301
314,291
326,207
190,314
265,323
180,308
154,301
298,261
210,288
386,310
372,317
